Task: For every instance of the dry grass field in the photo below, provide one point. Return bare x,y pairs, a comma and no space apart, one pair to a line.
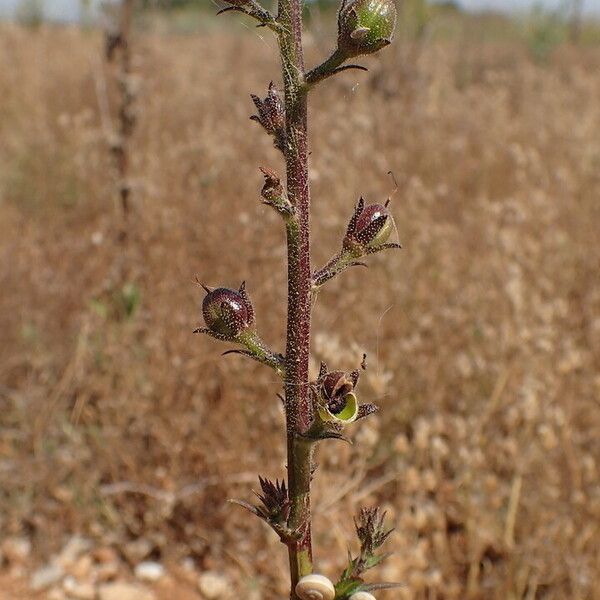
482,334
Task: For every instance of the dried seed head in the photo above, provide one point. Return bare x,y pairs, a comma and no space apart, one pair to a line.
365,26
228,312
370,226
275,499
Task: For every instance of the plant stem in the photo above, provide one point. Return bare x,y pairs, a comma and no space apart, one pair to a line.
326,69
298,401
125,114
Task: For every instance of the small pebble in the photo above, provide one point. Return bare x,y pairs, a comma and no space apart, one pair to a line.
56,594
107,571
124,591
16,549
81,568
73,549
137,550
105,554
78,591
46,576
213,585
149,571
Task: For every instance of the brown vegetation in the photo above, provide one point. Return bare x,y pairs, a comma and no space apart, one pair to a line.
482,335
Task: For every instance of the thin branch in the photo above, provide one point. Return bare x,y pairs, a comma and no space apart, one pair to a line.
131,487
329,67
270,359
254,10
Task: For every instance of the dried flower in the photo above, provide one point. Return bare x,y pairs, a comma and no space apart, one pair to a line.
333,396
271,115
365,26
273,193
227,312
335,403
275,500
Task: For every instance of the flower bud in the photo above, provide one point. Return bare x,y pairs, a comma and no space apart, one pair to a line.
365,26
370,226
228,312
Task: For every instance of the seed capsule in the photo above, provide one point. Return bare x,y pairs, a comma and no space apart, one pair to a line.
335,400
370,226
365,26
337,384
228,312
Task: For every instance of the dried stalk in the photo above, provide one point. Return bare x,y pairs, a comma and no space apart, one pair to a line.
314,410
119,42
298,406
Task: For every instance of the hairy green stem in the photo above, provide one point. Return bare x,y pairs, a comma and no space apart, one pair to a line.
298,401
326,69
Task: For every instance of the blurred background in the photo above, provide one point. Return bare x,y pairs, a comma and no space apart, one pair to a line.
128,169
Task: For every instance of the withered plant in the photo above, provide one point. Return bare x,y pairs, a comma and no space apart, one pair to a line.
118,50
315,410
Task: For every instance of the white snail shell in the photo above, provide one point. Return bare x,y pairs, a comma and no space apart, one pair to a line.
362,596
315,587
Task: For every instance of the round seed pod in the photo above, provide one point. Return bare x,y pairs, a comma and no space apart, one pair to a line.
365,26
374,225
227,312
